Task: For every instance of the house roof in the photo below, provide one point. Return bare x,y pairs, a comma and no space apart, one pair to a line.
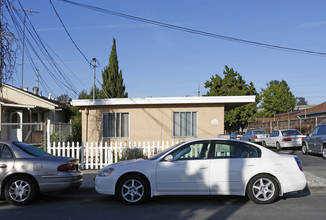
228,101
39,97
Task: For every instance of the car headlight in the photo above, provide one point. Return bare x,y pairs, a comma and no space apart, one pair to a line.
105,171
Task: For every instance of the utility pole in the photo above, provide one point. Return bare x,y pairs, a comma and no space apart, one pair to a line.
198,89
23,57
1,45
94,60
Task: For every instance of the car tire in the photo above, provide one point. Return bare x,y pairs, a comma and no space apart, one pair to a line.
264,144
304,148
278,146
20,190
263,189
133,189
323,152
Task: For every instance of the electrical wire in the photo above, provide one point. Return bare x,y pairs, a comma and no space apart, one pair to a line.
52,68
69,34
194,31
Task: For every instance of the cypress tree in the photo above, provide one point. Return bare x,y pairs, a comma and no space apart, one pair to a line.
112,77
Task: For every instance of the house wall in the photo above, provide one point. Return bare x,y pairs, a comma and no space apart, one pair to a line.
153,122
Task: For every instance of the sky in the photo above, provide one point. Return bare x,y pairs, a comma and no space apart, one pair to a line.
162,62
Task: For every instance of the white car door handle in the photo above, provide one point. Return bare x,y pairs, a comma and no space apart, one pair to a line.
203,167
3,166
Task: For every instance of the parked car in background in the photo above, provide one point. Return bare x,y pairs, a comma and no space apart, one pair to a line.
236,135
26,171
316,142
254,135
284,138
205,167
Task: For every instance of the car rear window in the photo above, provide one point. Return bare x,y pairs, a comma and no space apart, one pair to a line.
260,132
32,150
291,132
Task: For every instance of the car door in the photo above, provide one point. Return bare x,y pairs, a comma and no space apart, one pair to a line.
231,165
275,138
318,138
312,139
187,172
268,140
7,160
246,136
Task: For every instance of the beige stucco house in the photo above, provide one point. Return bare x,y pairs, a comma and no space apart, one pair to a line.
19,107
155,119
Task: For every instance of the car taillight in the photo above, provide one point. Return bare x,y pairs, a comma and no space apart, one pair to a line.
297,159
302,138
287,139
66,167
238,137
255,137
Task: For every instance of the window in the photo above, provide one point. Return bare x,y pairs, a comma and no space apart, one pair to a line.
235,150
193,151
322,130
115,125
315,131
184,124
5,152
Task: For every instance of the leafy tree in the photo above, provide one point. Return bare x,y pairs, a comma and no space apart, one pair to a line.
84,95
233,85
99,94
8,45
301,101
277,98
63,98
76,124
112,78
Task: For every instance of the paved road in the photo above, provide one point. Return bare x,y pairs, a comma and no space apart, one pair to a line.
87,204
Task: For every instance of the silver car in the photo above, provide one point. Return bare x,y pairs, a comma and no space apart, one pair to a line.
236,135
316,142
255,135
26,171
284,138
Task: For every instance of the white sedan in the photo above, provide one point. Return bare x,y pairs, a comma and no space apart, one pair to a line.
205,167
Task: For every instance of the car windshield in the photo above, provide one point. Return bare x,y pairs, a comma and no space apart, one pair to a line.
291,132
159,154
32,150
260,132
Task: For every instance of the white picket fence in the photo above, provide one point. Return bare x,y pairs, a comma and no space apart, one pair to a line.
97,155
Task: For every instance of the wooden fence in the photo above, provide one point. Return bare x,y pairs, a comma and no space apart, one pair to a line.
98,155
305,125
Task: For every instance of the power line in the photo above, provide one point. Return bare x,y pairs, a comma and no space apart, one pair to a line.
194,31
59,78
69,34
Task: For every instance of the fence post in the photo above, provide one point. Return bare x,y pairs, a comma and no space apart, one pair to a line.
82,156
48,133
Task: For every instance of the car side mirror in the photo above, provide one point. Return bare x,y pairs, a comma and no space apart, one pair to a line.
168,158
308,135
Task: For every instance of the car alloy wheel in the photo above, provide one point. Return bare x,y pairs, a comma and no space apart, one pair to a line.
133,190
20,190
304,148
278,146
324,152
263,189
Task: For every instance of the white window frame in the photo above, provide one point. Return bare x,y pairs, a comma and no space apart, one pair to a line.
116,136
194,131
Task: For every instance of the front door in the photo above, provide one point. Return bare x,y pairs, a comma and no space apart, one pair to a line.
16,131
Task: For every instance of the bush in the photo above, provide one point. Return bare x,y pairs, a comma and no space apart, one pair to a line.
132,153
